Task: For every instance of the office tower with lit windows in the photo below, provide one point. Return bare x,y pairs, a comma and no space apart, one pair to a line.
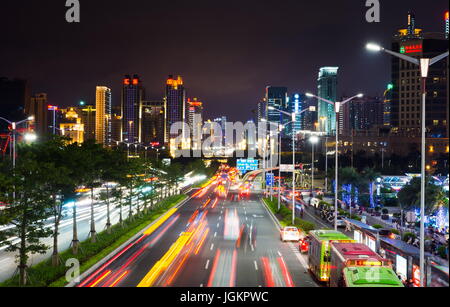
194,108
261,112
131,106
361,115
327,89
277,98
103,115
175,100
153,124
406,93
296,104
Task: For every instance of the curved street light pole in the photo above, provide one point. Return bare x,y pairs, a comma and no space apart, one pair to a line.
424,64
294,119
337,106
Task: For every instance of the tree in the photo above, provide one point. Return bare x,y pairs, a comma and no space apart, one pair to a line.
58,179
89,167
409,196
27,211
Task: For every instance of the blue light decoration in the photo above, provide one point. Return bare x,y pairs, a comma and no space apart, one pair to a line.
372,202
356,198
347,196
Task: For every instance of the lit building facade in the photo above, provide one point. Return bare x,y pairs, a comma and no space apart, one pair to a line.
175,101
103,115
71,125
153,124
327,89
406,94
131,106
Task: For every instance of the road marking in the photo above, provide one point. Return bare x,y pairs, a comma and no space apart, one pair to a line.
212,246
251,245
280,254
220,217
207,265
215,234
256,265
218,225
246,218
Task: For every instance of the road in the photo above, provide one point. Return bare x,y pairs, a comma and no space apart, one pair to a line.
208,241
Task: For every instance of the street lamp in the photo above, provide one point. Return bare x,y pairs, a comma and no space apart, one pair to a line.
13,128
294,119
314,139
424,65
337,106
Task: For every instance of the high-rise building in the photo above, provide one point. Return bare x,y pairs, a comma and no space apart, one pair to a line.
327,89
277,98
262,110
153,122
296,106
194,108
361,114
87,115
71,125
175,104
406,94
116,125
131,105
38,107
14,98
103,115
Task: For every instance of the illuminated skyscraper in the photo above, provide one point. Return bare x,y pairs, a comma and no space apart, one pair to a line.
406,93
195,107
131,106
103,115
153,122
88,119
327,89
276,97
175,104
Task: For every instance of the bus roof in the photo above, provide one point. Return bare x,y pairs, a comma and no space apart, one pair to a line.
355,251
328,235
371,277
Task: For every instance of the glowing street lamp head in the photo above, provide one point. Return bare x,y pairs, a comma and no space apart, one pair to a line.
271,108
30,137
374,47
309,95
360,95
312,109
30,118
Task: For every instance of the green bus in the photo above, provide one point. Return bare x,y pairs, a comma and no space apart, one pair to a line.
364,277
319,253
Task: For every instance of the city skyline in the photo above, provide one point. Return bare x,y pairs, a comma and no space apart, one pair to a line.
244,71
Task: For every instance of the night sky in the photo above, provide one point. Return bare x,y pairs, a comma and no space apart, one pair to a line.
226,51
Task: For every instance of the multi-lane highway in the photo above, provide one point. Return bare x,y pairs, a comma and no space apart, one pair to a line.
214,239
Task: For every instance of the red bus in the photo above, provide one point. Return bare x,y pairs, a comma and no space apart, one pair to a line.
344,255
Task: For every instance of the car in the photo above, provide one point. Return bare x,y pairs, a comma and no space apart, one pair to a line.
289,234
340,221
303,245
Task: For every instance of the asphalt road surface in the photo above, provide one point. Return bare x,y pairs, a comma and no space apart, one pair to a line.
214,239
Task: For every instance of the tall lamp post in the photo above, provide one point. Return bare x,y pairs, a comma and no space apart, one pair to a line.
424,64
337,106
13,131
294,119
